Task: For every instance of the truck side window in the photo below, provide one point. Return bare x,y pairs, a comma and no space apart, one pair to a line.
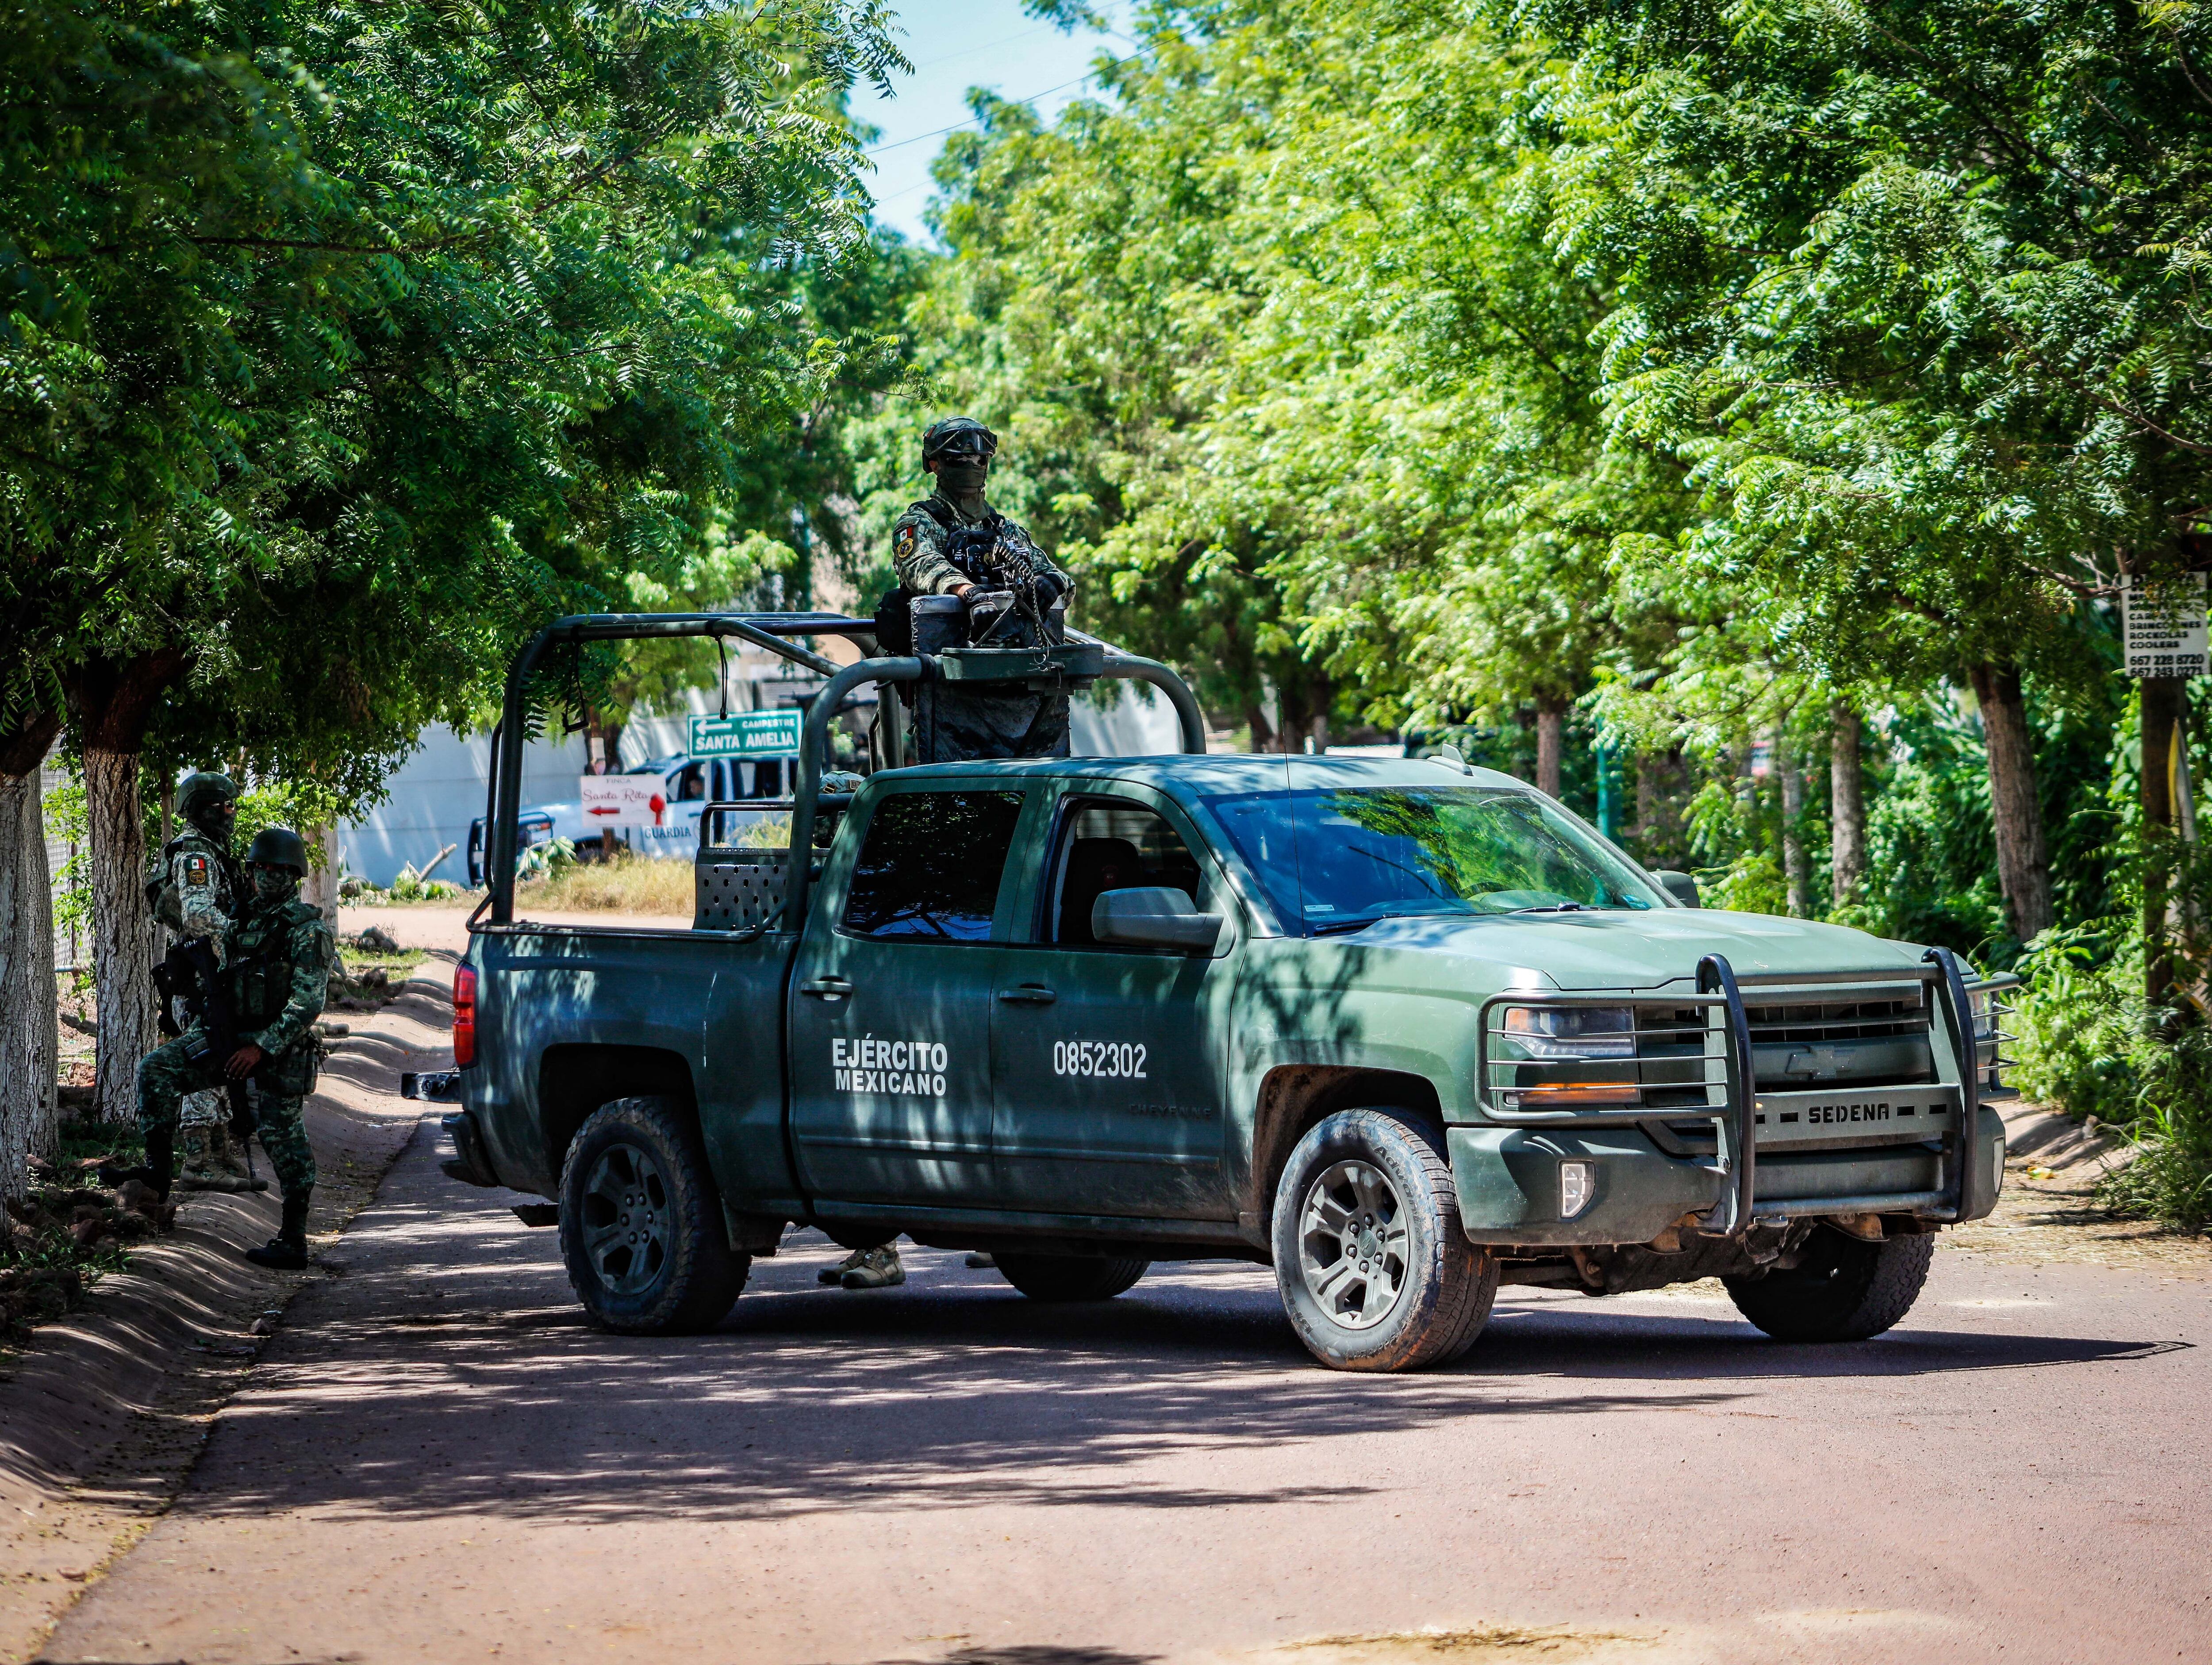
931,864
1107,846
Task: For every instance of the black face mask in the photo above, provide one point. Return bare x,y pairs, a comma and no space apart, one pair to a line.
216,820
959,477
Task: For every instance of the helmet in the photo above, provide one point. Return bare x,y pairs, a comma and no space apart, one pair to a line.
278,846
201,790
959,435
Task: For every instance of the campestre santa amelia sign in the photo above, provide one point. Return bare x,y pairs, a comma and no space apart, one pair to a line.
746,734
2163,626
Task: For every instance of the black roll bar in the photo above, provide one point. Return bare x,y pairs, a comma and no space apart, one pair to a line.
771,631
1959,1014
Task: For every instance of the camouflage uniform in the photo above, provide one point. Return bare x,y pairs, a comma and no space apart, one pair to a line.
278,959
194,888
937,549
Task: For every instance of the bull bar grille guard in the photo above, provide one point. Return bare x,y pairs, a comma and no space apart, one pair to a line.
1723,1072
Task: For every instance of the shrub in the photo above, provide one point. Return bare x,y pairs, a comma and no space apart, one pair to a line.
2090,1044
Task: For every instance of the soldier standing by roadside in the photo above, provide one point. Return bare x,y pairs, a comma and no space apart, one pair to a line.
277,956
194,889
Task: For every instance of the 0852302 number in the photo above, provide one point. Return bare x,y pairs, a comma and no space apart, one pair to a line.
1122,1061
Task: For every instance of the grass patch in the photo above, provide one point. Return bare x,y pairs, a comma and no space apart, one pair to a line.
627,884
396,964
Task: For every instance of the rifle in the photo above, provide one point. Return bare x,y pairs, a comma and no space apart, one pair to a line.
190,970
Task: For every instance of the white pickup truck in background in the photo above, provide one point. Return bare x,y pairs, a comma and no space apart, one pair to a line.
685,785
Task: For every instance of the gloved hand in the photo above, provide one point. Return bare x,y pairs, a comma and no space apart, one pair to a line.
1047,588
985,606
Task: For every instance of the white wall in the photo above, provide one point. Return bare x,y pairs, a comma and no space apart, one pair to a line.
431,799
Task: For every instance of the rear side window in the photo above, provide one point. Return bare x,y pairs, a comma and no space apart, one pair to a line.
1113,846
931,866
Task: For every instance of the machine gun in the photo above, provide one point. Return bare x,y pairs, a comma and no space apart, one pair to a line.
189,973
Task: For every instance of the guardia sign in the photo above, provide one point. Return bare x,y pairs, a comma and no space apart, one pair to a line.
746,734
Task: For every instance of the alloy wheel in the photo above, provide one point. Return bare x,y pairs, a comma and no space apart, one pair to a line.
626,1219
1352,1244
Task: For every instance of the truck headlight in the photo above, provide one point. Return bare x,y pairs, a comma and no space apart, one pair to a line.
1572,1032
1550,1036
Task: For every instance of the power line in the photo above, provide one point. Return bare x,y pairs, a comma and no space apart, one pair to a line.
900,144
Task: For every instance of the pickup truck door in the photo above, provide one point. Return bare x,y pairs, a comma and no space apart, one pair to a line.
1106,1061
891,1004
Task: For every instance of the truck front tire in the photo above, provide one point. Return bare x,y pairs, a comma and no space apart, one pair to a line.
1841,1289
1375,1269
1071,1278
641,1229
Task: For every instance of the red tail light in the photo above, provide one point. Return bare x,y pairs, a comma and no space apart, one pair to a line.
465,1016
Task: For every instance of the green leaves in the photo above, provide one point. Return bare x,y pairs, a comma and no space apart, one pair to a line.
437,321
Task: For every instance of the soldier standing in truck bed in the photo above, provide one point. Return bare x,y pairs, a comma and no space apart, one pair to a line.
954,543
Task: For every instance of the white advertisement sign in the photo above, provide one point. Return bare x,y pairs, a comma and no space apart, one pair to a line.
2163,626
624,800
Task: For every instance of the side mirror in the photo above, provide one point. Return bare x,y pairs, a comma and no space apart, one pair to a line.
1681,886
1154,916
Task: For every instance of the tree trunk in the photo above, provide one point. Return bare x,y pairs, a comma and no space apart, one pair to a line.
1263,733
321,888
1847,853
2015,805
1794,868
113,703
30,1034
122,928
1321,694
1550,743
2165,706
1659,794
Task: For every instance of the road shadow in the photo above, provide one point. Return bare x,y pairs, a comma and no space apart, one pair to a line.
448,1371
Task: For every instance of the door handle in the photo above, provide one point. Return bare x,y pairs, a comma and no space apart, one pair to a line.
829,988
1028,994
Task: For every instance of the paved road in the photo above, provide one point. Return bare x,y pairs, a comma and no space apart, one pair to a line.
437,1461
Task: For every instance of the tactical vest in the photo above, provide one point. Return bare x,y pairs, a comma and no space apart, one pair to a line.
260,972
994,552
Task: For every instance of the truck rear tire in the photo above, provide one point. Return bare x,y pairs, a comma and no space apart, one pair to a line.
1842,1290
1070,1277
1375,1271
641,1229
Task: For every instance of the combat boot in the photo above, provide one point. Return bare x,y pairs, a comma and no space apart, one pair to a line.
155,1172
287,1250
836,1275
879,1268
229,1153
198,1170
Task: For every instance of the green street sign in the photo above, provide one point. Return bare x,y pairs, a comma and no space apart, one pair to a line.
746,734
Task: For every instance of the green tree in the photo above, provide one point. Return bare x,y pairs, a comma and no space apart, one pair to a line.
1914,288
343,346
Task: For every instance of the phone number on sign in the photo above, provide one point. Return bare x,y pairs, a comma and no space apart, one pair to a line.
1122,1061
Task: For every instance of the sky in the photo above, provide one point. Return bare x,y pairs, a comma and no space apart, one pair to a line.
953,48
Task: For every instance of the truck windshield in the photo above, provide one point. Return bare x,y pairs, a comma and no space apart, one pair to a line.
1337,859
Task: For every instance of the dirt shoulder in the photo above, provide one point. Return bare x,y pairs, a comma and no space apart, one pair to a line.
2048,1213
103,1414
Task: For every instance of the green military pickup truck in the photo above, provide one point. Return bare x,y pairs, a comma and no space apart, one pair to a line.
1400,1028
